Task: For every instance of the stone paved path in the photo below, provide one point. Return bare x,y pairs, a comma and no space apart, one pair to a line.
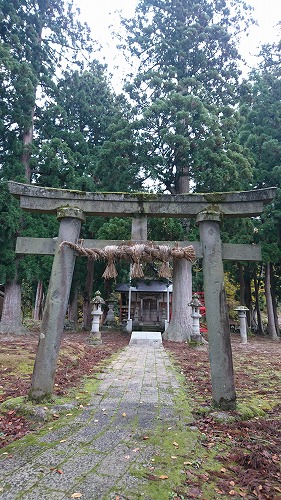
96,449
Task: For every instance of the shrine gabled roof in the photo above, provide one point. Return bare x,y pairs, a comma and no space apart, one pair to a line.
144,286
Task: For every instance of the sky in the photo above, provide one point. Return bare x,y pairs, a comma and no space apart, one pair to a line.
100,14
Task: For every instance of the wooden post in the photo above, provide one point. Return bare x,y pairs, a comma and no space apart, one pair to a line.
56,306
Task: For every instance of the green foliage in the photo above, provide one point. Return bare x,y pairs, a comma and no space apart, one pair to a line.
115,229
84,136
261,135
184,93
165,230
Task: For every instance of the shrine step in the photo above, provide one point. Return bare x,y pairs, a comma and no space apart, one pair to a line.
140,338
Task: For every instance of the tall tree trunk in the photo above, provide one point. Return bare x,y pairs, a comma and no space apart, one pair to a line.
27,145
87,317
260,329
38,301
248,296
272,333
11,320
241,283
180,327
184,182
274,301
73,308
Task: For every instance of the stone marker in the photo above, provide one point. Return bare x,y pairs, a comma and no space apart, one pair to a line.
154,338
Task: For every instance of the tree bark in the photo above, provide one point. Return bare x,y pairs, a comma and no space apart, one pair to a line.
274,301
257,305
38,301
248,296
241,283
271,329
180,327
27,145
73,308
11,320
87,309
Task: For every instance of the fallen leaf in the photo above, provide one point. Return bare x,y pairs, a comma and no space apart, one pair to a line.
145,438
76,495
127,457
152,477
232,492
124,415
55,415
69,414
223,469
173,457
176,445
63,441
59,471
163,477
136,449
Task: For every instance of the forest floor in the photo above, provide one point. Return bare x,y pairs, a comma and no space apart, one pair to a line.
247,442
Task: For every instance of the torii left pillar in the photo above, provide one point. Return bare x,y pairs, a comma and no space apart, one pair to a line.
56,305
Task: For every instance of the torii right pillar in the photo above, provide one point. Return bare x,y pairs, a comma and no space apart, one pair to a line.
222,374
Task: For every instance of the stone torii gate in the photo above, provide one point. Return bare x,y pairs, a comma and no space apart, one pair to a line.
71,207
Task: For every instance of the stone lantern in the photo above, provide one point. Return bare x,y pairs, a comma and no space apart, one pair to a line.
195,314
243,322
95,335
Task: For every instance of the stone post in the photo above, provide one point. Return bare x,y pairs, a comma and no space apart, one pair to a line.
222,375
243,322
56,305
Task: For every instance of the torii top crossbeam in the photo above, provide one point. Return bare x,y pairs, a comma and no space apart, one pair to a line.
231,204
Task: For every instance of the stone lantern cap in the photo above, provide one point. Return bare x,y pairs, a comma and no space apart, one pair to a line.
241,308
98,299
195,301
